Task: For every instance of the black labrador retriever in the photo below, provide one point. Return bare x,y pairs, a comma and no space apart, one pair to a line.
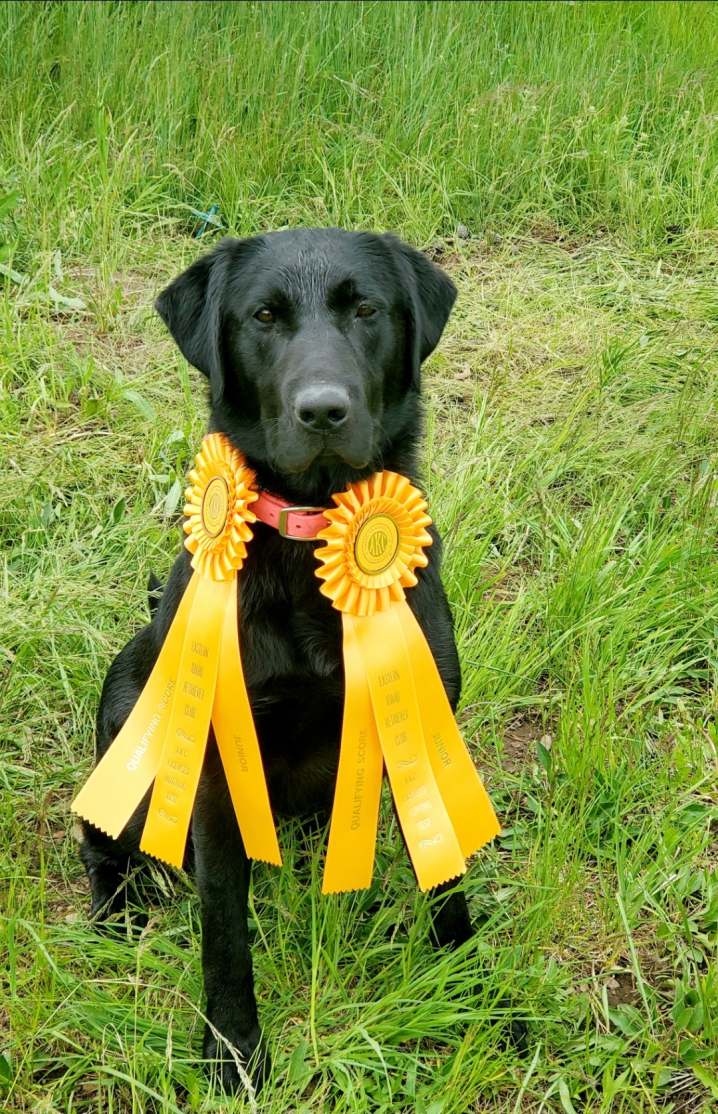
312,341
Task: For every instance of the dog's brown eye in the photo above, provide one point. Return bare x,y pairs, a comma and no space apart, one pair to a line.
265,316
365,310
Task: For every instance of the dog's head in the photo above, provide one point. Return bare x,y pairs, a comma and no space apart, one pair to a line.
312,341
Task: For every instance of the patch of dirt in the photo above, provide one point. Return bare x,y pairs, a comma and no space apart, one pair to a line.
519,744
621,989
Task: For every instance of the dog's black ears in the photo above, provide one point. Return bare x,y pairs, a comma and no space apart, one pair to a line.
431,294
191,308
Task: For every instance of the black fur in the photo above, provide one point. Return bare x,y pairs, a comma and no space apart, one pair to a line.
317,286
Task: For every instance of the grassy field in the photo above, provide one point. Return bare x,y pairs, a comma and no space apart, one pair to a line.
571,461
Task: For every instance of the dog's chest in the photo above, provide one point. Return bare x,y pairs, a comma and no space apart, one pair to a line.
288,630
291,646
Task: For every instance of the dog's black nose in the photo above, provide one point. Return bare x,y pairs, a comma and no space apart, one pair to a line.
322,408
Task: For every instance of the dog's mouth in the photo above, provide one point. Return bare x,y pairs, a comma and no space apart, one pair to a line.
326,456
330,455
294,451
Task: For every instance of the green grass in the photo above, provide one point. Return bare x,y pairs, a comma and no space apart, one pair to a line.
572,466
119,117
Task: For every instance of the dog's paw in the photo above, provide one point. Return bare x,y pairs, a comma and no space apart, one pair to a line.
107,878
108,902
234,1060
112,914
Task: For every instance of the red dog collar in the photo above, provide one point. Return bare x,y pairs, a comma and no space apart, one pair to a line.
300,523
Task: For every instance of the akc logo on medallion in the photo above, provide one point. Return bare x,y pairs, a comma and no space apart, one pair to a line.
376,544
215,505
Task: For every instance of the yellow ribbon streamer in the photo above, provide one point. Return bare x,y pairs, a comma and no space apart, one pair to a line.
393,681
395,703
472,813
355,814
239,747
180,767
126,770
197,679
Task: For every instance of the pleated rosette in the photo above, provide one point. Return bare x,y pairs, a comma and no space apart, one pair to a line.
217,509
375,540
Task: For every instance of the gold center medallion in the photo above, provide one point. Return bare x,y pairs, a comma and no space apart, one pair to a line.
376,544
215,504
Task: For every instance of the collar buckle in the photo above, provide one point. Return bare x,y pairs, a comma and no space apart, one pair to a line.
282,521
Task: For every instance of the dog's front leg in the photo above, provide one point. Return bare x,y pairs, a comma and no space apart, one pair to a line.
223,882
450,921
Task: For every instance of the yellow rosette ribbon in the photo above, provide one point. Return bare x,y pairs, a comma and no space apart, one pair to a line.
197,680
396,712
